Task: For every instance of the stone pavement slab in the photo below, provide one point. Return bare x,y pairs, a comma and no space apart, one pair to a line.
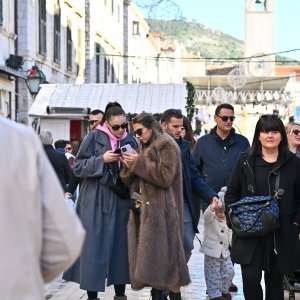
60,290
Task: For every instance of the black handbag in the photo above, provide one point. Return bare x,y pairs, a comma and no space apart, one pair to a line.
117,185
135,202
255,216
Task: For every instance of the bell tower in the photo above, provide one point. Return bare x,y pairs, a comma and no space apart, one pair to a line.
260,36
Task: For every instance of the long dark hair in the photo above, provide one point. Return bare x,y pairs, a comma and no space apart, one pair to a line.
189,134
148,121
112,109
268,123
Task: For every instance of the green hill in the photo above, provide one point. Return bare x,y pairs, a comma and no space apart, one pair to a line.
203,41
199,39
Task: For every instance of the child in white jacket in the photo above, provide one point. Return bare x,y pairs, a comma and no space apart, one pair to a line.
218,268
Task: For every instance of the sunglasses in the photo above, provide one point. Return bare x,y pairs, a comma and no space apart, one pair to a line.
225,118
117,127
69,148
92,122
139,131
296,131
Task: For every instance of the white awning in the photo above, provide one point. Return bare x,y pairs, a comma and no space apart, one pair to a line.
251,83
73,100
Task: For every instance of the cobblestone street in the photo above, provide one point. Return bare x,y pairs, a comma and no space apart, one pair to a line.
59,290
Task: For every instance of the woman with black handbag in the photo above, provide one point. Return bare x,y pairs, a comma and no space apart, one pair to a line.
255,175
155,235
103,212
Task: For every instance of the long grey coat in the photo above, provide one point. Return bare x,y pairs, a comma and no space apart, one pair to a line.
155,241
104,216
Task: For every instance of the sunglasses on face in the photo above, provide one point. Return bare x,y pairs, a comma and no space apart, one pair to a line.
225,118
117,127
139,131
296,131
68,148
92,122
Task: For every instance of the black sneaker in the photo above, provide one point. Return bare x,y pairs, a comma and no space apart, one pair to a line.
233,288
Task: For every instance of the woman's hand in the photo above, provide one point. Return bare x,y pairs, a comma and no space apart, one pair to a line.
109,156
129,159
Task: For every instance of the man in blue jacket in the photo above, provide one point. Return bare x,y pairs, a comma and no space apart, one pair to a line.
215,154
172,122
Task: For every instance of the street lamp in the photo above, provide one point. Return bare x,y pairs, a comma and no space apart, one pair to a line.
35,77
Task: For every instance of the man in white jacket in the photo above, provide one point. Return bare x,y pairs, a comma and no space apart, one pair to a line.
40,236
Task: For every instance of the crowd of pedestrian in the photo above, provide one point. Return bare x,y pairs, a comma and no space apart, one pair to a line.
139,188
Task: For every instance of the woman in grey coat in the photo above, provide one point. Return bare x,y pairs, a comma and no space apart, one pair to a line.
103,213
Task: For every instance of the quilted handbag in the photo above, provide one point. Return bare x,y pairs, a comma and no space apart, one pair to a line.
254,216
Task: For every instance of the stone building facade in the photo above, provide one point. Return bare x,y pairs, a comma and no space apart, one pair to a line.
70,41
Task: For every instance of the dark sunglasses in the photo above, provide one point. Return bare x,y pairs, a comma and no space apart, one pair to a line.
225,118
117,127
69,148
296,131
139,131
92,122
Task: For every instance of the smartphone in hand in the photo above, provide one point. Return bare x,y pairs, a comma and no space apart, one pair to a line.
127,149
117,151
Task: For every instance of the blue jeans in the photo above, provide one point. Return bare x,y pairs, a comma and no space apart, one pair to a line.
188,234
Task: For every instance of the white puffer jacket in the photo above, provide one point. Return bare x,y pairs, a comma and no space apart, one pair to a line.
216,236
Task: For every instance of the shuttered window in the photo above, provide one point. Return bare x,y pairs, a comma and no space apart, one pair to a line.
57,35
97,54
42,27
69,47
1,13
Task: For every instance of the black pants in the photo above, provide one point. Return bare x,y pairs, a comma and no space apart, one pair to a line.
119,291
273,281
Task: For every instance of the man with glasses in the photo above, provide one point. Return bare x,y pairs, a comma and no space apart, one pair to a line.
95,118
215,154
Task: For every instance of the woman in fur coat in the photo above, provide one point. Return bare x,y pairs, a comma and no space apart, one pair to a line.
155,236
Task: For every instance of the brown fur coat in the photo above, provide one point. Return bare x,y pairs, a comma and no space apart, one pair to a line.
155,239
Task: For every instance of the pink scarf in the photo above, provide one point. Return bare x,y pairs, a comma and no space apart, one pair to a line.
114,141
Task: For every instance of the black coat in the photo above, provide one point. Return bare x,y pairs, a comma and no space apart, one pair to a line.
60,165
242,184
